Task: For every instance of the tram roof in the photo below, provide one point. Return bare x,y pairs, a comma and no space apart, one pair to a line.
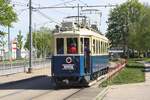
81,32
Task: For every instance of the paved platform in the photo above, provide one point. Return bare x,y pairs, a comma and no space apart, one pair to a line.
24,76
86,94
94,92
139,91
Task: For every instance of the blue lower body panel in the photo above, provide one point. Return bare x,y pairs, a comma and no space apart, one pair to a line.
74,69
98,63
63,68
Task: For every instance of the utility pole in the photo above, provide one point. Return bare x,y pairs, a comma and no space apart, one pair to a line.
9,45
100,20
78,16
30,35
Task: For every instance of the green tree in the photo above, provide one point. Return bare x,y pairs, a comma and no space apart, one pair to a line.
42,41
120,22
140,32
19,44
19,40
7,14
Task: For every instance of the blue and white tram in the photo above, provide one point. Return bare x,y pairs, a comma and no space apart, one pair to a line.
87,60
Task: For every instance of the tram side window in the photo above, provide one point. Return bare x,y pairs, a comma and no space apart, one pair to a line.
86,42
94,47
86,45
105,47
72,46
101,47
97,47
81,44
60,45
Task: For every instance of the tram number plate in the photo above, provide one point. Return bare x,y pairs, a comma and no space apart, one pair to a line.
68,67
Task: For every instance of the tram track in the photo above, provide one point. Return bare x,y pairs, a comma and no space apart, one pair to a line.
66,98
47,93
91,84
42,94
10,94
26,87
98,81
25,91
50,95
28,90
13,92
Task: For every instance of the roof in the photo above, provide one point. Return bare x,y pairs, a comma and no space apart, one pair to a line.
81,32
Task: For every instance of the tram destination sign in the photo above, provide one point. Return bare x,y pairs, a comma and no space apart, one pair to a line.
68,67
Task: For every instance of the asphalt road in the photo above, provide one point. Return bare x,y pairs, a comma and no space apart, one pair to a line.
38,88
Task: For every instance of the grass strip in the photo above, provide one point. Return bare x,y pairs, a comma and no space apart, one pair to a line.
132,73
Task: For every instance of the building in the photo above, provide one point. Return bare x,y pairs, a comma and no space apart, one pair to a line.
5,54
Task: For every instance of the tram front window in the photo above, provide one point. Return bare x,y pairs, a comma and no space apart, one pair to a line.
60,45
72,46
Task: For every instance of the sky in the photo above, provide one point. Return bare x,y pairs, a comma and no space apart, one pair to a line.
55,16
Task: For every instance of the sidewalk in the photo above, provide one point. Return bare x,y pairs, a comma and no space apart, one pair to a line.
24,76
139,91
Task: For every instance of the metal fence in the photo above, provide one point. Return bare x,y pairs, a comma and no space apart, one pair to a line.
7,68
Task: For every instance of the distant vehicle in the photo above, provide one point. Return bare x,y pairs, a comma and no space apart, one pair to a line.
80,53
115,54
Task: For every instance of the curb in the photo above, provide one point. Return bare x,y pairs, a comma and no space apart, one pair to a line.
102,94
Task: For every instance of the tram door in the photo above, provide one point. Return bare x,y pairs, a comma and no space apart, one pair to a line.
87,55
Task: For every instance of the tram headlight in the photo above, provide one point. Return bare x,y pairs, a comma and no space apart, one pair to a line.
68,60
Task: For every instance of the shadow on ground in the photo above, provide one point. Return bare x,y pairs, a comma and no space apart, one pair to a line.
34,83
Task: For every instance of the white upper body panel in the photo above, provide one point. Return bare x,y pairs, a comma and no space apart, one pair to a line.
81,32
